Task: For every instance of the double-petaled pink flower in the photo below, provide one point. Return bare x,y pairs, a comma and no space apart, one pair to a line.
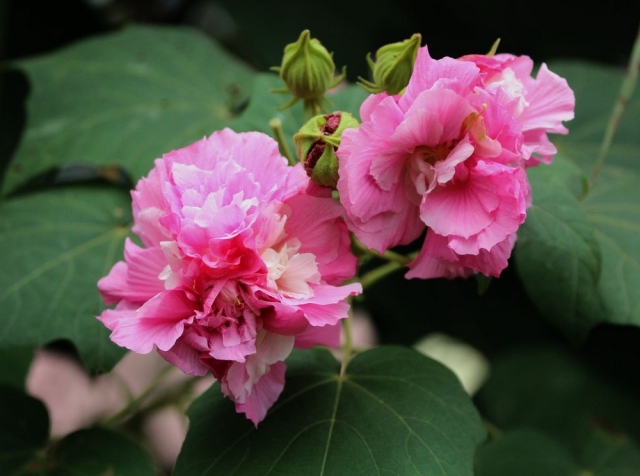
449,154
240,264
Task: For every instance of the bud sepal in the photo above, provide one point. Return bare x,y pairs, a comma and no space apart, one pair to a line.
393,66
308,72
317,142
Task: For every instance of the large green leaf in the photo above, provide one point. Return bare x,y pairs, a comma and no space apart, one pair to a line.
558,256
557,394
24,429
613,204
393,411
529,453
98,451
524,453
57,245
263,106
596,88
613,207
125,99
561,277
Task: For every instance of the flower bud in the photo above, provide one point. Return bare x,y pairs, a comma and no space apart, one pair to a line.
316,144
393,66
308,71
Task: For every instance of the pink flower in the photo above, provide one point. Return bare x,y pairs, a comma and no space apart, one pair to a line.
449,155
540,105
242,261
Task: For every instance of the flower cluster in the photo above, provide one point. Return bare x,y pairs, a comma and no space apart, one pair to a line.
242,260
449,154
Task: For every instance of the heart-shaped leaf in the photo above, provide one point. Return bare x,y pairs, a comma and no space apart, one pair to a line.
58,244
392,411
125,98
558,256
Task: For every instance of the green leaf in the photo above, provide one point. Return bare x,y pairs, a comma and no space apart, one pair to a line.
529,453
524,453
607,454
394,411
556,394
558,256
613,207
613,204
348,98
596,88
15,365
263,106
98,451
24,429
125,98
57,245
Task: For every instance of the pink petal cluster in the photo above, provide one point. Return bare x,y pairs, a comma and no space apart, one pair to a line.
242,261
449,154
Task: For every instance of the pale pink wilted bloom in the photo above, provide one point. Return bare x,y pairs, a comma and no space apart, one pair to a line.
448,154
242,261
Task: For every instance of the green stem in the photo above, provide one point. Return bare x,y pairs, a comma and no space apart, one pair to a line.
347,348
375,275
135,403
492,430
626,90
177,397
276,127
388,255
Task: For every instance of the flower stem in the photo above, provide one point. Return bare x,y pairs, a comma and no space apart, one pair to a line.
276,127
388,255
375,275
347,347
493,431
626,90
136,403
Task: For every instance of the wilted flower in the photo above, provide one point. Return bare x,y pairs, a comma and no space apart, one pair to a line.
316,144
239,265
449,154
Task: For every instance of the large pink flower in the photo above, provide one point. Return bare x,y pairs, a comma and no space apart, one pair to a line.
448,154
239,265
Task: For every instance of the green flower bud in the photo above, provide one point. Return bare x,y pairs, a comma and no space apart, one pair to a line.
393,66
308,71
316,145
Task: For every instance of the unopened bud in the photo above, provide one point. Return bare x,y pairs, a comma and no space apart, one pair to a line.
393,66
316,145
308,71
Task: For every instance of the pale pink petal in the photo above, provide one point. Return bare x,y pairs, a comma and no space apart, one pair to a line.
263,394
460,76
328,336
111,285
160,321
464,208
551,101
185,357
318,224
